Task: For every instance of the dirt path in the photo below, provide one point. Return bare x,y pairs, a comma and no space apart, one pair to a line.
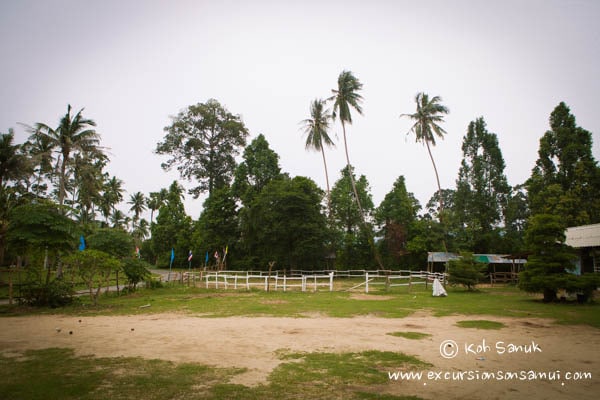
252,343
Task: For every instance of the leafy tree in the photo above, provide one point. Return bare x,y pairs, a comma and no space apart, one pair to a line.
285,225
465,271
218,225
260,166
203,141
172,228
37,226
566,178
352,236
426,126
427,235
317,138
94,267
396,215
547,267
14,166
73,134
481,189
115,242
516,214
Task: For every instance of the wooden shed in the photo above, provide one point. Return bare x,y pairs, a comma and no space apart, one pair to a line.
586,239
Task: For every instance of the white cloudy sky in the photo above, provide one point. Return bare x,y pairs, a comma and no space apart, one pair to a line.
134,63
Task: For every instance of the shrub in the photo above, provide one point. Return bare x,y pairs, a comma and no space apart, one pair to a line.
136,271
583,286
465,271
56,293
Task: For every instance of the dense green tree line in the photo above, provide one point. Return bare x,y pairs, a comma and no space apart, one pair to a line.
256,213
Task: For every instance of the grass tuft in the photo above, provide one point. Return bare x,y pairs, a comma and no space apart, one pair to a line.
480,324
410,335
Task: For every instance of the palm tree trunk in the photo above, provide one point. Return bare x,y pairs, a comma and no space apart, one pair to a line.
327,182
360,210
61,184
437,178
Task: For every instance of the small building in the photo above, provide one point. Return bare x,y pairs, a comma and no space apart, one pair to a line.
586,239
437,261
501,268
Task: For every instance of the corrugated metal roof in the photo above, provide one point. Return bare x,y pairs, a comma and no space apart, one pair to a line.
482,258
441,257
583,236
497,259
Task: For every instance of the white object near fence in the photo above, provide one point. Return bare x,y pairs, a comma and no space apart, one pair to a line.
438,289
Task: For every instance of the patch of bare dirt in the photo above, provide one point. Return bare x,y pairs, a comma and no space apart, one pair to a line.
254,344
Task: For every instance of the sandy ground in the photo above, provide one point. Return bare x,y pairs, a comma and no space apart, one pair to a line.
252,343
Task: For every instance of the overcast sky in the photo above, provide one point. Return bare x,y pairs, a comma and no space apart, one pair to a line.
132,64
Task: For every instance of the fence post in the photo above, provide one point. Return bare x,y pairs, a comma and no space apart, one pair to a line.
331,281
366,282
10,287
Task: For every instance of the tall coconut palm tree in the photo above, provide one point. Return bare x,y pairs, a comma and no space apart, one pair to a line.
12,162
155,201
39,150
430,112
74,133
141,231
118,219
317,138
344,98
113,188
138,205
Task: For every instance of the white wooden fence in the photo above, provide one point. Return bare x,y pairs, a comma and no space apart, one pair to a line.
402,278
310,280
248,279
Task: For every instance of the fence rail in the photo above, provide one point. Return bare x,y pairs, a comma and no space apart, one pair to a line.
310,280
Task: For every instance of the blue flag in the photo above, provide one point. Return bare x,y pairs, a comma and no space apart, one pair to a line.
172,255
81,243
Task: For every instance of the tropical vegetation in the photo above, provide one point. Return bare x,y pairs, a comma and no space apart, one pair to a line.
57,199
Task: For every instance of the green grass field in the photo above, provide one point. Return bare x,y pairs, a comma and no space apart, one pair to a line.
59,373
396,303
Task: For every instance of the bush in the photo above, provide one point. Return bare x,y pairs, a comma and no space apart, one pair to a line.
153,284
136,271
465,271
56,293
583,286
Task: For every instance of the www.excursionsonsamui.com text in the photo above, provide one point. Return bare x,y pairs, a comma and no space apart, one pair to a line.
522,375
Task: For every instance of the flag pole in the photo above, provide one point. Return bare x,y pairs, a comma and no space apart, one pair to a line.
171,264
